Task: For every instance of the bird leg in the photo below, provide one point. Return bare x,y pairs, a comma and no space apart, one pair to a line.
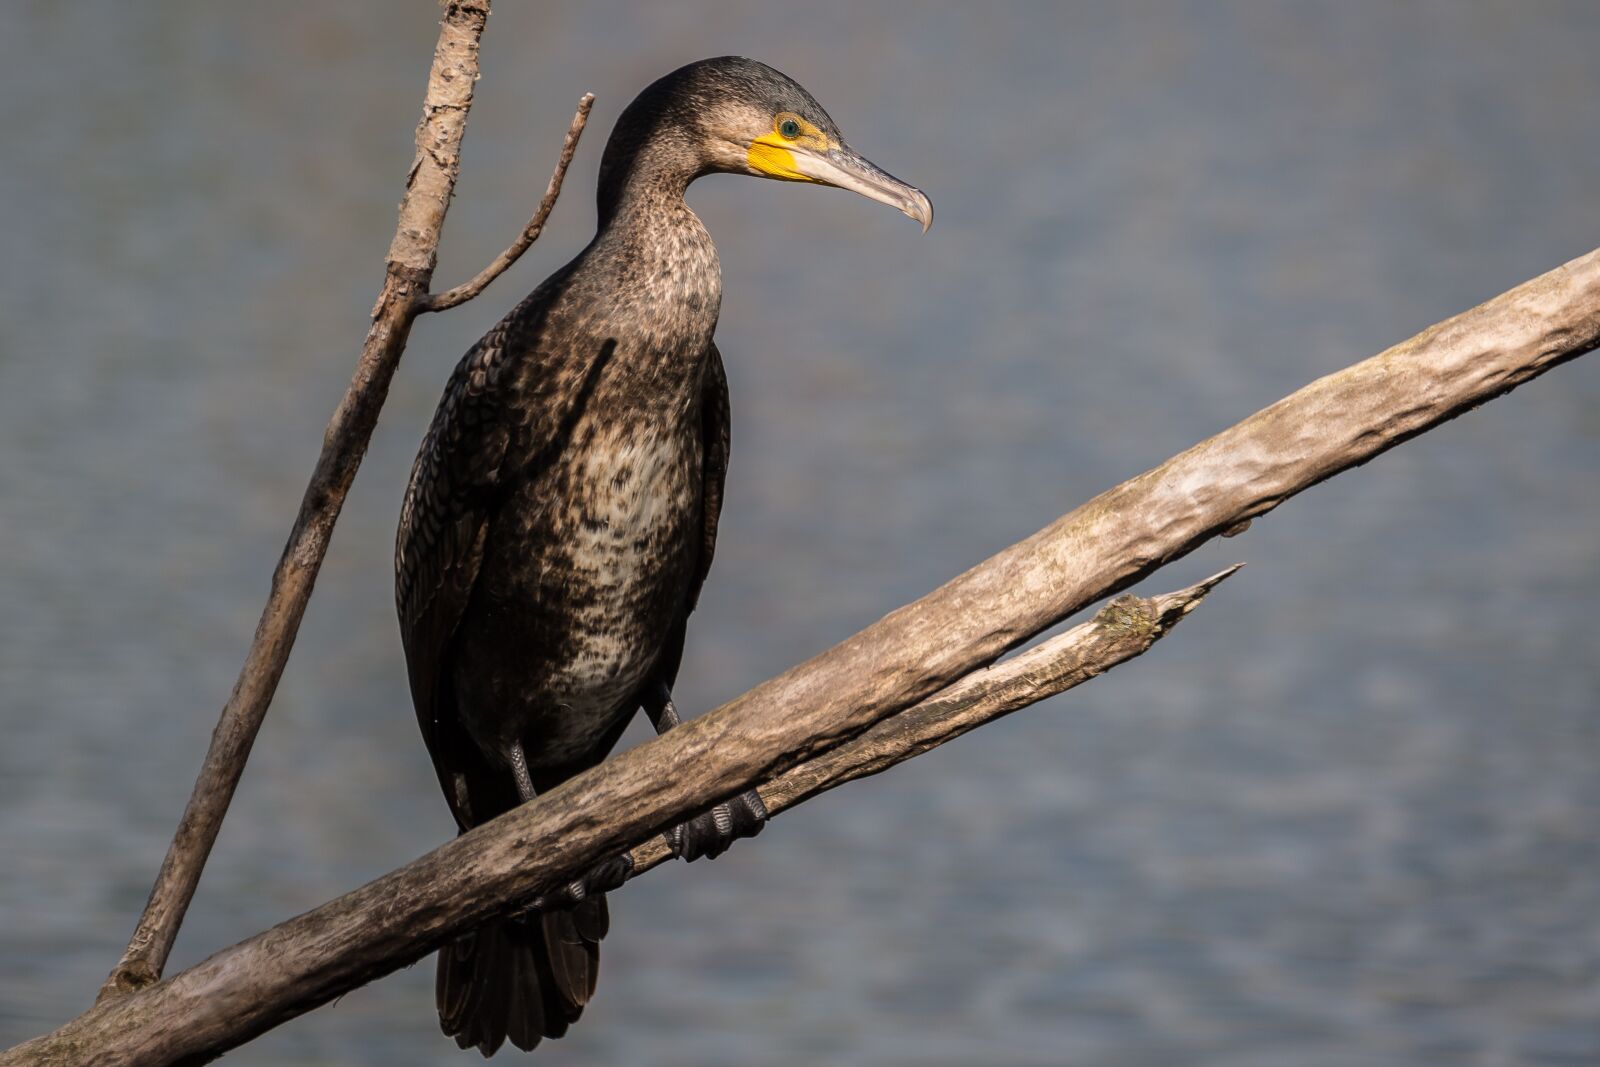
519,770
602,877
711,832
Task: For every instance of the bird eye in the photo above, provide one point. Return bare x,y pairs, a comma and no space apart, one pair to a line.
789,128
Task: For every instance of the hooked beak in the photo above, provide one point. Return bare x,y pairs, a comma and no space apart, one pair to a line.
845,168
774,156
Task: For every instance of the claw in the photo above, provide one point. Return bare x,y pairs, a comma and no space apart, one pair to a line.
708,835
602,878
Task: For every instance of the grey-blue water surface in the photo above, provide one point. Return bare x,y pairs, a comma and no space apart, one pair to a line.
1347,815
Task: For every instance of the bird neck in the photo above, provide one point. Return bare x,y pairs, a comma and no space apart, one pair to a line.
645,221
652,228
649,240
644,174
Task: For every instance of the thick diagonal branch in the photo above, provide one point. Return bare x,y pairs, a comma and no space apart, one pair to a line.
1331,425
429,187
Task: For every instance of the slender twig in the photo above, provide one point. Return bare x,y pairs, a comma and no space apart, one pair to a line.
530,233
412,255
1331,425
286,971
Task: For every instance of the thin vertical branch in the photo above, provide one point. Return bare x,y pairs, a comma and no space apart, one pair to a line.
430,184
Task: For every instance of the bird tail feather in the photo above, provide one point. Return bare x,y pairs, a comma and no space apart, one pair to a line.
521,978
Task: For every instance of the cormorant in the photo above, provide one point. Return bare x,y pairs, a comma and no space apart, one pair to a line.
562,512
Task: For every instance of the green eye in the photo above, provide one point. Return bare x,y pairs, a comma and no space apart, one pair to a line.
789,128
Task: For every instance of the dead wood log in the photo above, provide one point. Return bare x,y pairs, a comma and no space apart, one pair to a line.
1330,425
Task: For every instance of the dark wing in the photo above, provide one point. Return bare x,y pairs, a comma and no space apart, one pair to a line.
519,979
439,547
714,441
714,420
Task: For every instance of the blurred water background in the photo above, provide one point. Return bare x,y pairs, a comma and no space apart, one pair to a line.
1347,815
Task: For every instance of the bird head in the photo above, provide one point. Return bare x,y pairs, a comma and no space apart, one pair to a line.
744,117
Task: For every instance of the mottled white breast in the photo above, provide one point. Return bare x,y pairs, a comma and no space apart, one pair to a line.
626,553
